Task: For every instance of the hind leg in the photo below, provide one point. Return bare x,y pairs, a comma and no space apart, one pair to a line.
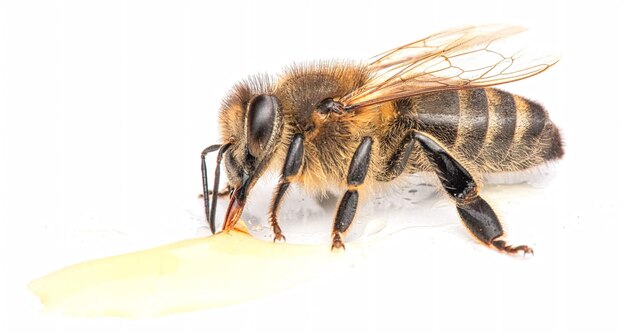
477,215
475,212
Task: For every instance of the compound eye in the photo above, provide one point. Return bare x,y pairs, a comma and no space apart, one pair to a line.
261,118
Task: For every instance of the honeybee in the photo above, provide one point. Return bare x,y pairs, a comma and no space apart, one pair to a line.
358,127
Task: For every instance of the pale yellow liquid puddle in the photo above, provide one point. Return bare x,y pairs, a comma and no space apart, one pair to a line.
189,275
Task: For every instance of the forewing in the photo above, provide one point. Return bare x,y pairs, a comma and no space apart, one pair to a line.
461,58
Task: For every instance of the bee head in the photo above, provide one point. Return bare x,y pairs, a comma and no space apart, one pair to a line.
251,120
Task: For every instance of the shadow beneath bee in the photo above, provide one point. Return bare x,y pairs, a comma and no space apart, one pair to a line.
307,219
413,203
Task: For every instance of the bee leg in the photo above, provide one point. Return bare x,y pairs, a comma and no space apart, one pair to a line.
291,167
209,205
478,216
348,205
399,159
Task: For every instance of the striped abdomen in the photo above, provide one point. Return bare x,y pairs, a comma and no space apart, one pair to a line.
492,129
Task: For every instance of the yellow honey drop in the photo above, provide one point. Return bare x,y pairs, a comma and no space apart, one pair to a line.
189,275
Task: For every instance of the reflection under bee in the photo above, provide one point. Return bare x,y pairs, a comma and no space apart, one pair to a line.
355,127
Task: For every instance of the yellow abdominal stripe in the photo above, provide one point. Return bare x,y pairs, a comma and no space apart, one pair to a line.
189,275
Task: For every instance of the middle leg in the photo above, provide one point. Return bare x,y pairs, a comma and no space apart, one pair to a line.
348,205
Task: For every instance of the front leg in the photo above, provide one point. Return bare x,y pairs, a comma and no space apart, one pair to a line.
209,206
291,167
475,212
349,203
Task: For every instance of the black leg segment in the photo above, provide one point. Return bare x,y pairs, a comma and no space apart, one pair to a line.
478,216
293,161
456,180
346,211
357,172
360,163
480,220
291,167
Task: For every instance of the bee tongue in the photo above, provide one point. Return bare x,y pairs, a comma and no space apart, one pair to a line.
235,208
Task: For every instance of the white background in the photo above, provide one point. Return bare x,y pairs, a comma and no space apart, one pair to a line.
105,107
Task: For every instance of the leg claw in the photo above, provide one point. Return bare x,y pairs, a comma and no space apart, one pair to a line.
337,243
278,233
279,237
513,250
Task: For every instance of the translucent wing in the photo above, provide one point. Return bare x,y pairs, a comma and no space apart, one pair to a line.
461,58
